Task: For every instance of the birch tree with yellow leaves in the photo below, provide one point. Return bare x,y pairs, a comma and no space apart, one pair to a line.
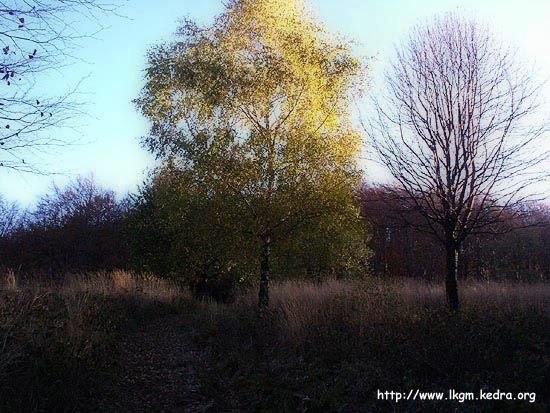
256,109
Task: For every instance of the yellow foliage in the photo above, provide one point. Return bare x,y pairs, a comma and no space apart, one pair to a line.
256,108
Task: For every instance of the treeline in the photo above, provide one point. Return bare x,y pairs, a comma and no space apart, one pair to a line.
169,230
516,249
174,229
76,228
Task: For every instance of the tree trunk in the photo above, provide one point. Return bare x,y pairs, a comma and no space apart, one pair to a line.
451,286
265,270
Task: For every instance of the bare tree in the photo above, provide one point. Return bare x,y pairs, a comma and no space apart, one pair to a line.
456,130
11,217
37,37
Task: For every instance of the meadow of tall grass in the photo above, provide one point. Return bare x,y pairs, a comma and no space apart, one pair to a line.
323,347
330,346
58,334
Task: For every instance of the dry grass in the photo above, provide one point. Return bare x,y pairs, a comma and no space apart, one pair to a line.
10,280
302,304
144,287
329,346
325,347
505,295
304,296
58,337
125,283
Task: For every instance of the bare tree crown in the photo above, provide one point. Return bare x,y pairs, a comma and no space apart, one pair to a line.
456,127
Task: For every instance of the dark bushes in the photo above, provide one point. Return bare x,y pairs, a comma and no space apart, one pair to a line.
77,228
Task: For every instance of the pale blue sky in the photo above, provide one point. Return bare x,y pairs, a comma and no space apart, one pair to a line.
114,62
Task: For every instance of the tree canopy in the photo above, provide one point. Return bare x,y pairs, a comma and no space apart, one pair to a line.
255,110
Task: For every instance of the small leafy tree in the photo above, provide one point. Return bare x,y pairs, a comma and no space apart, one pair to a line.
254,109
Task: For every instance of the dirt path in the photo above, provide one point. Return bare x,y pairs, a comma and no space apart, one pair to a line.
158,374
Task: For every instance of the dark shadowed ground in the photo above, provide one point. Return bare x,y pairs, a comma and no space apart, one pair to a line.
157,372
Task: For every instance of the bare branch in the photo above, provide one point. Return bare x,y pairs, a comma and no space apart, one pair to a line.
37,38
